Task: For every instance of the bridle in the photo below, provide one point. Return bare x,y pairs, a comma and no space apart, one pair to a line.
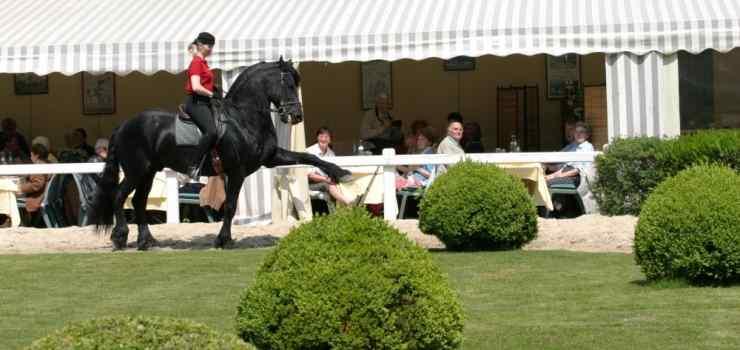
285,103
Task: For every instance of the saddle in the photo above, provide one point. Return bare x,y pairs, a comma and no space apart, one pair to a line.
188,134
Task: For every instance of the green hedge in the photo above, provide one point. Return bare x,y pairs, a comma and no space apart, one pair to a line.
690,227
137,332
474,206
631,168
348,281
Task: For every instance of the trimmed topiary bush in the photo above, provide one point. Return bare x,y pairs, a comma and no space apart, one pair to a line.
129,332
631,168
689,227
477,206
627,172
720,147
348,281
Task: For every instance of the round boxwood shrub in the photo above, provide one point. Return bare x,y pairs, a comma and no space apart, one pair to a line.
630,169
348,281
627,171
137,332
689,227
475,206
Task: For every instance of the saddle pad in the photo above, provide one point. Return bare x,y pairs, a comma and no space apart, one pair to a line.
186,133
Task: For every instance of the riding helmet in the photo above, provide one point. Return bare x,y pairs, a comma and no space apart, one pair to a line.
206,38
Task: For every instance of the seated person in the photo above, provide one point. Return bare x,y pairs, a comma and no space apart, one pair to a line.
12,153
33,186
570,172
378,129
10,130
71,153
317,179
472,138
101,151
451,143
43,140
420,176
409,143
571,145
411,138
81,135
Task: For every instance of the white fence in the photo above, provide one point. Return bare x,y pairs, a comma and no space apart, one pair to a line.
389,161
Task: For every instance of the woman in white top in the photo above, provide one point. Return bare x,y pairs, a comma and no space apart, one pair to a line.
317,179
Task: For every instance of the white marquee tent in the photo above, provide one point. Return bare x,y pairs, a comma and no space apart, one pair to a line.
640,38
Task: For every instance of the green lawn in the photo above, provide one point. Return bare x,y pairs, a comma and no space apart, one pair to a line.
514,300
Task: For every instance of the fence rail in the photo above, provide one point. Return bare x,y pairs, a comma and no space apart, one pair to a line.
389,161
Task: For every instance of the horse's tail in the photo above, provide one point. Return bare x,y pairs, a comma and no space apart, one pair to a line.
101,213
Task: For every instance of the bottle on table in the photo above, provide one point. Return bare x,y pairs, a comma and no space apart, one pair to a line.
514,144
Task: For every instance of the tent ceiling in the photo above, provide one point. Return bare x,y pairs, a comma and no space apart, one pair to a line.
148,36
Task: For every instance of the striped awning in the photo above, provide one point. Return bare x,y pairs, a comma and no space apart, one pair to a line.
70,36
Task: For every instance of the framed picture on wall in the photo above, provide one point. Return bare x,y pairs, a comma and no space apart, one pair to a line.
460,63
376,79
31,84
560,70
98,93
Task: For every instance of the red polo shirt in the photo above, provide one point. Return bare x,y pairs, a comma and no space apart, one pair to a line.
199,67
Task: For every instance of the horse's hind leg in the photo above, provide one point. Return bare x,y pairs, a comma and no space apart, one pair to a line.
234,182
119,235
145,239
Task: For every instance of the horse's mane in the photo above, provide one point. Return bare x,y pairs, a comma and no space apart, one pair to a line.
241,81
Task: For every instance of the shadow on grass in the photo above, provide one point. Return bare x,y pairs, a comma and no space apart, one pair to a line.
679,283
663,284
206,242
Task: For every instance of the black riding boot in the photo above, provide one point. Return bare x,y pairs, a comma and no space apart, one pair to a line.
199,108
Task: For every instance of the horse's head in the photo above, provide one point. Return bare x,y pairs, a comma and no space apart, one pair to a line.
282,91
269,83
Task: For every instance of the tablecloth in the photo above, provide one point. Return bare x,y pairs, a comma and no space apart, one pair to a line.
8,204
533,176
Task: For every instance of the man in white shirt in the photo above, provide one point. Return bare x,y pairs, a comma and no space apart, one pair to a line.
317,179
570,172
451,143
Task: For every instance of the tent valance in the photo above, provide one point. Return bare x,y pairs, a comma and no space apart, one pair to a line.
148,36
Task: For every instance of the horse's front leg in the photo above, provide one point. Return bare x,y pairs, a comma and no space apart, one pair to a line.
285,157
145,239
119,235
234,181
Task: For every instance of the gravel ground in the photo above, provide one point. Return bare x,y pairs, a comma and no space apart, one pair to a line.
589,233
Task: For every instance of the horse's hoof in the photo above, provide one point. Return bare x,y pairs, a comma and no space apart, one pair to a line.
118,245
149,243
223,244
346,178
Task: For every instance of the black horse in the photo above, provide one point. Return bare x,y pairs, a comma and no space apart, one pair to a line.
146,144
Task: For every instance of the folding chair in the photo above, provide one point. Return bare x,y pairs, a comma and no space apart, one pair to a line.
566,189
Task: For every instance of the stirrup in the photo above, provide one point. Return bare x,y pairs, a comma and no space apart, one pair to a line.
194,170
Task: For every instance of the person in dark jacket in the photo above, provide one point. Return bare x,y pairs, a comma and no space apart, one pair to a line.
10,131
471,141
84,146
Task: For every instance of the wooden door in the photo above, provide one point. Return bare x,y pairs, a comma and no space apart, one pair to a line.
518,113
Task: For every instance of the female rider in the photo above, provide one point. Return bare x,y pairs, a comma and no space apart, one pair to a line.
200,90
